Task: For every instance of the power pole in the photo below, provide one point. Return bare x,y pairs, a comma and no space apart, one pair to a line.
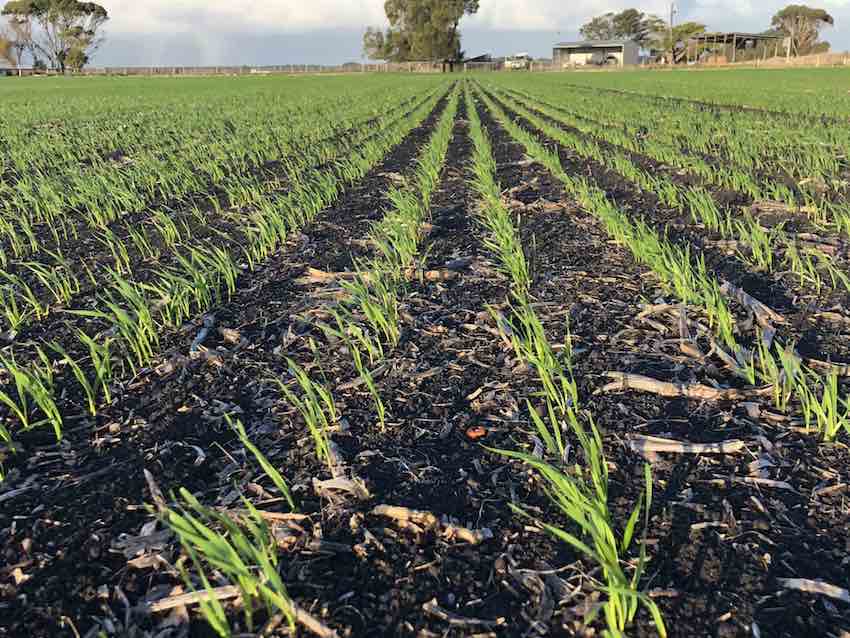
673,12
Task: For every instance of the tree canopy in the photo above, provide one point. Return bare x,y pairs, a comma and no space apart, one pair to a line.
66,31
629,24
419,30
803,25
680,36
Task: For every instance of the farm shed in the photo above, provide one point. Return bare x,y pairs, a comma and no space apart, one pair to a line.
703,44
601,52
459,64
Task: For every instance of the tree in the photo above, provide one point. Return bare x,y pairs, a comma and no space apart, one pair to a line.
65,28
803,25
685,31
76,59
16,35
677,44
419,30
632,24
599,28
629,24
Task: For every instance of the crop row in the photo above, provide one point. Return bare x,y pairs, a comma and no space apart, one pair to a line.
755,245
808,96
694,150
242,547
242,146
36,288
801,166
579,492
367,321
78,353
763,249
745,139
126,326
243,550
43,139
775,365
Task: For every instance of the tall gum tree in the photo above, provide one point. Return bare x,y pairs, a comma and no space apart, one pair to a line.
419,30
629,24
803,25
64,32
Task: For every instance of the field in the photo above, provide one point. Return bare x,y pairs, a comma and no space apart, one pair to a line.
485,355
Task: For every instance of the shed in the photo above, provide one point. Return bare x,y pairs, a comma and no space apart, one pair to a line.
459,63
599,52
701,43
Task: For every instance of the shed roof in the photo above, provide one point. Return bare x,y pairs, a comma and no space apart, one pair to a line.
586,44
734,35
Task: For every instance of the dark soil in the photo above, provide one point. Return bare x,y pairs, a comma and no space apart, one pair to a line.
208,227
83,554
91,489
720,580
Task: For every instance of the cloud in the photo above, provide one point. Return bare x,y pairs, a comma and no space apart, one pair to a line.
168,16
565,16
750,15
172,16
287,16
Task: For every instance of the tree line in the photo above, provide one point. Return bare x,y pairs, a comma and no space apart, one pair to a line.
61,34
428,29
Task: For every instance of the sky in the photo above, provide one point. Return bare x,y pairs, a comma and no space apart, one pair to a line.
268,32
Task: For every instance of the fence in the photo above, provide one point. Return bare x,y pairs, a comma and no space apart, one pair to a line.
808,61
284,69
823,59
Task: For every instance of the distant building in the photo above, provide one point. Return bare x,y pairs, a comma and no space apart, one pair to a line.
721,48
518,62
598,52
478,63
